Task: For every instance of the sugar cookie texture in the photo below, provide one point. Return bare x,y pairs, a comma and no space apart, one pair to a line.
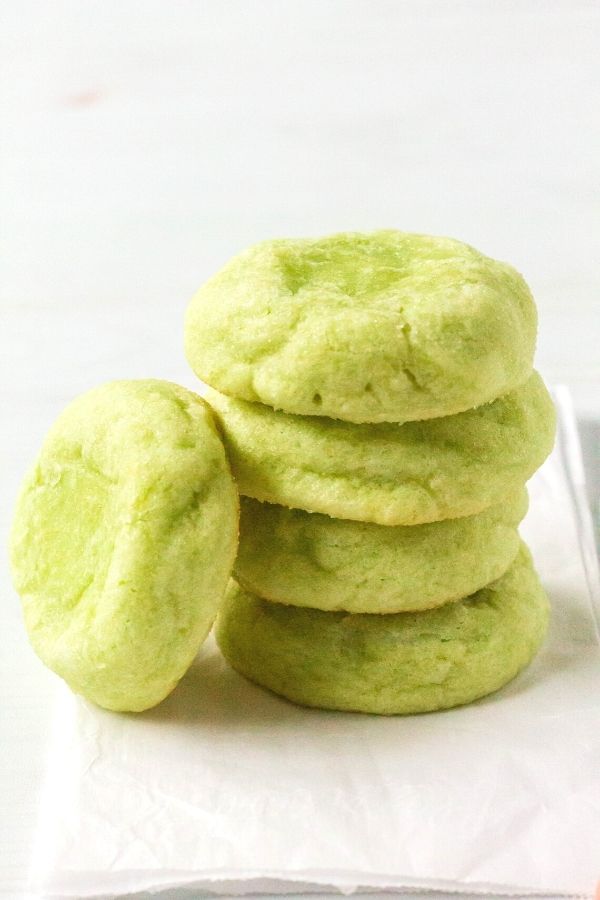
390,664
123,541
389,473
380,412
305,559
381,327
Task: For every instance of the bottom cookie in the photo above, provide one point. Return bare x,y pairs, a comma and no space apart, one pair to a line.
389,664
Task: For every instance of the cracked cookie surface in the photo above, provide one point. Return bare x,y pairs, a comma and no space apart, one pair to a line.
388,473
380,327
308,559
390,664
123,540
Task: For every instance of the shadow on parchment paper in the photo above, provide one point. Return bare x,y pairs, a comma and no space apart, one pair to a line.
291,892
589,433
212,693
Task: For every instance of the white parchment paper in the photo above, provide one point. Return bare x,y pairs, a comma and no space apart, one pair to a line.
226,788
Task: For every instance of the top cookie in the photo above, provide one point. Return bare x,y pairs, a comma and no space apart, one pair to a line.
380,327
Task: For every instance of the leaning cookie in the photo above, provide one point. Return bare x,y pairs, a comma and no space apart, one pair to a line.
393,664
388,473
307,559
123,541
380,327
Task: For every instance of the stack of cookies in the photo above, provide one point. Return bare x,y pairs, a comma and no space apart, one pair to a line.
381,415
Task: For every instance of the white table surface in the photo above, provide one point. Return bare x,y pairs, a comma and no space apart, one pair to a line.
143,143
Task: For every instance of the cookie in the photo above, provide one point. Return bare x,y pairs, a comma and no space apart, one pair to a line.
123,541
389,664
308,559
380,327
388,473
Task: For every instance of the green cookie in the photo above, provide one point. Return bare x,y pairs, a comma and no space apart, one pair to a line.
381,327
307,559
402,663
388,473
123,541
